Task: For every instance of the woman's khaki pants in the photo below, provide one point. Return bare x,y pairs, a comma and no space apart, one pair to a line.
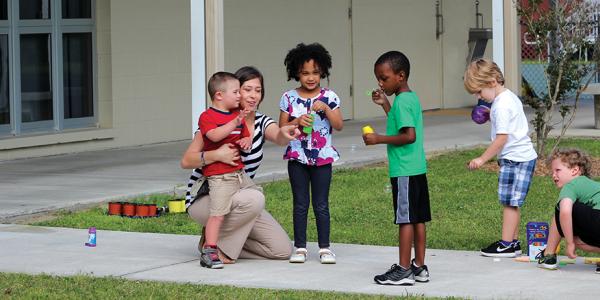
248,231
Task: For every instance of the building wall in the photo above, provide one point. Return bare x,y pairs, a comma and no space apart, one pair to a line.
144,81
260,32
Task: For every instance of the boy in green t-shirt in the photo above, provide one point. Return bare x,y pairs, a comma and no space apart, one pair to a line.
407,167
577,213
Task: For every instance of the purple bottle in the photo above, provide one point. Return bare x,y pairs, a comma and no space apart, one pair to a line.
91,237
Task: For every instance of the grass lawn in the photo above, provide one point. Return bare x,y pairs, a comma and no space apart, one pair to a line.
84,287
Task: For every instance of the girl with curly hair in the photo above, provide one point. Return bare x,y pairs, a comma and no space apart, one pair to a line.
316,110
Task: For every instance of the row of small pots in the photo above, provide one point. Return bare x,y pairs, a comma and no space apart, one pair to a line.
132,210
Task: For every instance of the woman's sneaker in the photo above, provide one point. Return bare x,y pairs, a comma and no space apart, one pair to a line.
549,261
396,275
497,249
210,258
421,273
299,256
326,256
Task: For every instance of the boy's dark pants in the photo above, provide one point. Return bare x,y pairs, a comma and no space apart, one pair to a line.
318,179
586,223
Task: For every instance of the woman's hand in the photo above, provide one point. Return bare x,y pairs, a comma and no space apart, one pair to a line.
228,154
289,132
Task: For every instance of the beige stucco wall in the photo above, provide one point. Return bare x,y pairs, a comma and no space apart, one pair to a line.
144,81
459,16
408,26
260,32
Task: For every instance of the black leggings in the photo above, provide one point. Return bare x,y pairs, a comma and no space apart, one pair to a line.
318,179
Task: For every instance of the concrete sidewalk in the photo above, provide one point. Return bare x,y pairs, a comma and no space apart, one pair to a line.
174,258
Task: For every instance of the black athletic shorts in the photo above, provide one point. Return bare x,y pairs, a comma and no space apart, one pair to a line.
411,199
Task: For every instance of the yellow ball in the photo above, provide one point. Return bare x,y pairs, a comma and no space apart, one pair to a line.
367,129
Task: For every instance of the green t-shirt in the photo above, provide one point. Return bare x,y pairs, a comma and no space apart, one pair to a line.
583,190
409,159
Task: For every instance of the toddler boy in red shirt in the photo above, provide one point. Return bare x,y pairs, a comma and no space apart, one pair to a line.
223,123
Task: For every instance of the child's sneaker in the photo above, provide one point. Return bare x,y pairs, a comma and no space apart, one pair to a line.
496,249
396,275
202,241
517,246
327,257
299,256
549,261
421,273
210,258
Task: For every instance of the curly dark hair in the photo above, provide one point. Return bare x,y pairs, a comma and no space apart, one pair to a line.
302,53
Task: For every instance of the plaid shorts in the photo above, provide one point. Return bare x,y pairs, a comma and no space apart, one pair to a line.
514,180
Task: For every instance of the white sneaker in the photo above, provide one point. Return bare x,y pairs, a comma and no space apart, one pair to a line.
327,257
299,256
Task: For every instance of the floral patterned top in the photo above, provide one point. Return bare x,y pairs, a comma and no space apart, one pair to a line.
314,149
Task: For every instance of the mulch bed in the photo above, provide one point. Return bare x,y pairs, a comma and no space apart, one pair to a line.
541,169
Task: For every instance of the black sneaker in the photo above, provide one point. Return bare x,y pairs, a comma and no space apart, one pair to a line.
496,249
210,258
517,246
421,273
597,268
396,275
549,261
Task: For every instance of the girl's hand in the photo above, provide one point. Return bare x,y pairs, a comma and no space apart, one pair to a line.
320,106
370,138
228,153
475,164
290,132
378,97
571,250
305,120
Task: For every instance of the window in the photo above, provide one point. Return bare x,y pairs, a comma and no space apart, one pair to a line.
4,101
36,78
76,9
34,9
48,84
77,75
3,9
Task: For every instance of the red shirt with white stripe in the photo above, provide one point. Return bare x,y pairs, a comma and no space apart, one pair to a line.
211,119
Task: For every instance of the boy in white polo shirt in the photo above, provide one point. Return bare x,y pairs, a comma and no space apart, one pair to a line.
510,141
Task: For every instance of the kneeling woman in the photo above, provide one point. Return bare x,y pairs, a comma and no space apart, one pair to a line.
248,231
